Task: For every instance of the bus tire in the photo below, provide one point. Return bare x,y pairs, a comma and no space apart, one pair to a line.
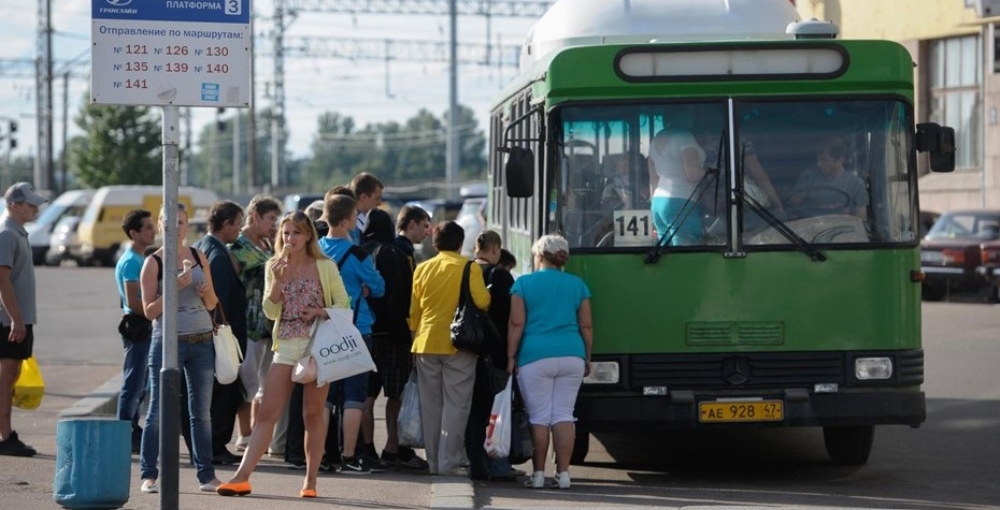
931,292
581,445
849,446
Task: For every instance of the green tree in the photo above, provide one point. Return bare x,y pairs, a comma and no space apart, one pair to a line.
121,146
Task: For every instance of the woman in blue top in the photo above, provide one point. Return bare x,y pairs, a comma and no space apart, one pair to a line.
549,341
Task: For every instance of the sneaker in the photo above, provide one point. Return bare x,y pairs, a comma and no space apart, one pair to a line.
406,458
536,480
329,467
149,487
14,447
354,466
561,481
241,443
210,486
373,463
296,464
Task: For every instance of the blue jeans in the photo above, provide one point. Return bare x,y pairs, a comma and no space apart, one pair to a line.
134,373
198,364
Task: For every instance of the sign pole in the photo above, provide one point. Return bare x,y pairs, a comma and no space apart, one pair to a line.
170,379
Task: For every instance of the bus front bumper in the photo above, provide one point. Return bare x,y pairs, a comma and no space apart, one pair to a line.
684,410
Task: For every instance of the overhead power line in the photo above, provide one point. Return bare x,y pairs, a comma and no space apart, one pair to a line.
510,8
399,50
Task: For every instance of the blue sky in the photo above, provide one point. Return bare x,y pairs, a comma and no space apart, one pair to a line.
313,85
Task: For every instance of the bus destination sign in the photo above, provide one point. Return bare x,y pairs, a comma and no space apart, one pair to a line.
171,52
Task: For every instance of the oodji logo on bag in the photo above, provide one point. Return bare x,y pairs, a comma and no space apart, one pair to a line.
349,344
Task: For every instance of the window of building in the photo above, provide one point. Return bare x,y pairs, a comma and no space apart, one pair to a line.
954,99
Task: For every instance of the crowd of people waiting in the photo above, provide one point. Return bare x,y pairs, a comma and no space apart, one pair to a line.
270,277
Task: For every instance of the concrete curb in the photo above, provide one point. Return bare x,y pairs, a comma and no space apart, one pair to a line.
101,402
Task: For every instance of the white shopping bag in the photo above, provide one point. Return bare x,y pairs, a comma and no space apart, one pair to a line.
227,354
411,430
339,349
498,431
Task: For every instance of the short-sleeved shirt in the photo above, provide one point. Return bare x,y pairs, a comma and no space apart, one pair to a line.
551,329
128,269
15,253
253,263
812,183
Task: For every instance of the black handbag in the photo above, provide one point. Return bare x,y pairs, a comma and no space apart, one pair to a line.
135,327
491,379
472,330
522,448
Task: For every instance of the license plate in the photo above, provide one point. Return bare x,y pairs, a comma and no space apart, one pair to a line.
723,412
931,256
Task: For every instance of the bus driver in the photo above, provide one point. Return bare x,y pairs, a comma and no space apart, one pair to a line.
829,188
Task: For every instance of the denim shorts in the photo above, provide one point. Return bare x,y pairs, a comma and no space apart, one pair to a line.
352,392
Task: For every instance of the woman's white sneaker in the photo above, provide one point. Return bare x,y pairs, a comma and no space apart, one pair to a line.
562,480
536,480
149,487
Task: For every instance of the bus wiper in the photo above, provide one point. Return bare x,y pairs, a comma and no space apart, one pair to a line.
773,221
690,205
654,255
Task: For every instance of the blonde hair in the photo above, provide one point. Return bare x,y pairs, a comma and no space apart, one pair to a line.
300,220
552,248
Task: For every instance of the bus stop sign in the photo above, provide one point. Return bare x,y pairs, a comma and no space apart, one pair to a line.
171,52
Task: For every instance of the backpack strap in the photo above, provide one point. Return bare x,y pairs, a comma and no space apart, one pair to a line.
159,263
360,254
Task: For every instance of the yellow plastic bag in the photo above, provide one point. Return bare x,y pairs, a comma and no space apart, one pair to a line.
29,387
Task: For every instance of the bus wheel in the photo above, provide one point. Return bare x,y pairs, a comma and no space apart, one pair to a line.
849,446
931,292
581,445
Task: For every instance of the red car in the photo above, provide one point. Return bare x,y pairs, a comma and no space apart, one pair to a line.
951,253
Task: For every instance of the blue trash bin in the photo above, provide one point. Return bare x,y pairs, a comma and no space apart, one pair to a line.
93,463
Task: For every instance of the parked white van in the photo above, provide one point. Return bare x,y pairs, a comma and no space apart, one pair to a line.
70,203
100,231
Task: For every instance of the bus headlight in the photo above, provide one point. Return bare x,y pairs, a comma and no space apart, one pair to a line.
866,369
602,372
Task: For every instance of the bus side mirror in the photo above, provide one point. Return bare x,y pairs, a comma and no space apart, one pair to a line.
939,141
519,172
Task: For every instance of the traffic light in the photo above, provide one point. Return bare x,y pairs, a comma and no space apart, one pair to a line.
220,123
12,130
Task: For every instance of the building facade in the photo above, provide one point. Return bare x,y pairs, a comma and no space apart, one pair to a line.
954,44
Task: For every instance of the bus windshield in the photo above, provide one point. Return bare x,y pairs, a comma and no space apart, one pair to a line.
831,171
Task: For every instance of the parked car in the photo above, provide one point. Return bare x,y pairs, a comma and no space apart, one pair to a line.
472,218
950,253
926,222
299,201
70,203
63,242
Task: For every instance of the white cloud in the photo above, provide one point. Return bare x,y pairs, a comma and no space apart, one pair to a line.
312,85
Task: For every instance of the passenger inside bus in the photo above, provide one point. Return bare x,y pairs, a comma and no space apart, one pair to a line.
676,165
829,188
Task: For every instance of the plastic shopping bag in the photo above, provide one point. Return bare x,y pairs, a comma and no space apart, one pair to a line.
411,430
339,349
498,431
29,387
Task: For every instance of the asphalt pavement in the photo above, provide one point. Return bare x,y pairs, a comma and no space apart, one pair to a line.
88,391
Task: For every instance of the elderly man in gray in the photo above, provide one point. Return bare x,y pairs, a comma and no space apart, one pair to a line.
17,305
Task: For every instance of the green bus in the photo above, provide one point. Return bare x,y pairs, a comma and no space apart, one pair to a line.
739,191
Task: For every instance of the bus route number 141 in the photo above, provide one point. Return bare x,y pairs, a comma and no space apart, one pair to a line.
633,228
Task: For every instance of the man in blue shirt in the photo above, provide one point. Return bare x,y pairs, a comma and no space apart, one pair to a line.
135,329
360,279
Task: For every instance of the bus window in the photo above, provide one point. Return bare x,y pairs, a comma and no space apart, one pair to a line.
838,168
629,175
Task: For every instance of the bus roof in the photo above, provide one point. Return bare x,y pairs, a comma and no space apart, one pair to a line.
594,22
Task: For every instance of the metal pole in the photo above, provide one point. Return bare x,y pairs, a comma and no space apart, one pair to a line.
451,148
65,137
236,154
170,380
252,113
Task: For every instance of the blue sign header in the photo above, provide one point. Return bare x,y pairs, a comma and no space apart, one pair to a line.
199,11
